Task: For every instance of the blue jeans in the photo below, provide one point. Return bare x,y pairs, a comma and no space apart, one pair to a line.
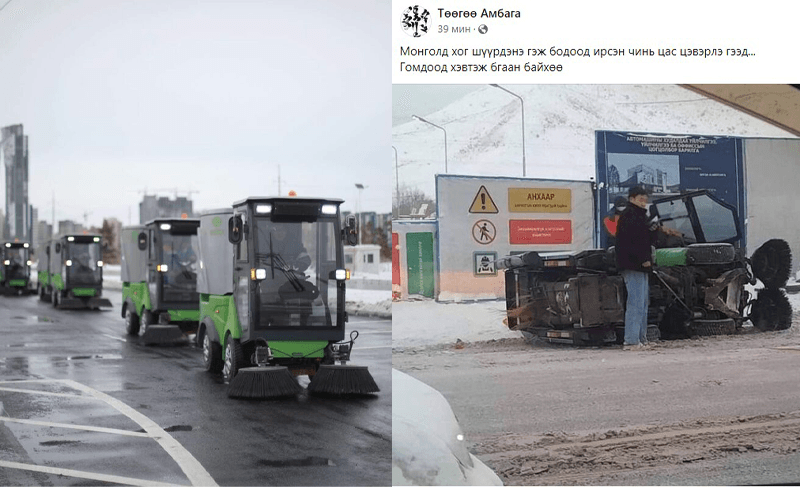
638,286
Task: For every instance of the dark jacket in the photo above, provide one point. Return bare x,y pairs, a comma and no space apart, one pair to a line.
634,239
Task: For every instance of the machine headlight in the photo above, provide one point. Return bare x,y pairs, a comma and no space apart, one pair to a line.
342,274
96,239
99,263
263,209
70,239
68,262
8,245
328,209
165,226
25,245
162,268
258,274
30,263
7,262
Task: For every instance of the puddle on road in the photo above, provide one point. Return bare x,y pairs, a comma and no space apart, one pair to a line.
58,442
299,462
35,319
108,356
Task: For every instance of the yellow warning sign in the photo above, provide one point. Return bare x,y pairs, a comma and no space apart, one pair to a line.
483,203
540,200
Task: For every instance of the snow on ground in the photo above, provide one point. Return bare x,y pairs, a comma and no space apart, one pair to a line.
426,323
423,323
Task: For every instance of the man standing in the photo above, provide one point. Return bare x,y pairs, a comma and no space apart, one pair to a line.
634,238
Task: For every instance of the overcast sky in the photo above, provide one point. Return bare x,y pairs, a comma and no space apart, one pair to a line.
210,96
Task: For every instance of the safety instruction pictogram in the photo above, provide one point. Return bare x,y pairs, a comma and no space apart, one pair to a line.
483,203
484,232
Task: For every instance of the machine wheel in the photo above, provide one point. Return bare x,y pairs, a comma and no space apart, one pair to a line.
212,354
41,292
710,253
725,326
54,298
131,322
771,311
233,359
772,263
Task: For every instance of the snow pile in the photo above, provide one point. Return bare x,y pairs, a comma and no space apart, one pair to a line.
423,323
484,129
428,445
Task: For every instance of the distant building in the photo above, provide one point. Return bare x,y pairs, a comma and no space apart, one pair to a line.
42,232
69,227
153,207
14,151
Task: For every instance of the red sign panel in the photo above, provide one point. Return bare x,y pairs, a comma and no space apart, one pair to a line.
395,259
534,232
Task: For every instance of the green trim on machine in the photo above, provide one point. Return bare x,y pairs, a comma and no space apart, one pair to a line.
298,349
44,278
57,282
18,282
83,291
670,257
184,314
222,312
139,293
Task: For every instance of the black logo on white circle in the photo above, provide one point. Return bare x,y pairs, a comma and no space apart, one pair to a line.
415,21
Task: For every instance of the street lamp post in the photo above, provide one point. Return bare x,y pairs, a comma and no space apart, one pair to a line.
523,122
396,176
360,188
445,137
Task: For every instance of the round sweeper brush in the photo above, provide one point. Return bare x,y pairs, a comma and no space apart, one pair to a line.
772,263
343,379
771,311
263,383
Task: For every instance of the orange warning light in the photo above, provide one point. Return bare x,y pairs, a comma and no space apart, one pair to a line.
292,193
184,216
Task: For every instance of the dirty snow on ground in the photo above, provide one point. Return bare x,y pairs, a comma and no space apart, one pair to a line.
426,323
423,323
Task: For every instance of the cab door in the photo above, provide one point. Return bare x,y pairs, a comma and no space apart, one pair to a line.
241,278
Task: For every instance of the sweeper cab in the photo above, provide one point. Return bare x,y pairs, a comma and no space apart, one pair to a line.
272,297
159,280
75,273
15,272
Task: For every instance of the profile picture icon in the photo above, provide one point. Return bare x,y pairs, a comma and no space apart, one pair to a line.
415,21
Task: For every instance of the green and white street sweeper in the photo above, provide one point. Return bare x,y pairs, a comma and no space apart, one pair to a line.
159,280
15,273
272,297
75,275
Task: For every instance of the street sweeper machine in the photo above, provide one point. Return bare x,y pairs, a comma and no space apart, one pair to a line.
159,280
15,272
272,298
74,273
697,286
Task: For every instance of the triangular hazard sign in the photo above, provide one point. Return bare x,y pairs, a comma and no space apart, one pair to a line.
483,203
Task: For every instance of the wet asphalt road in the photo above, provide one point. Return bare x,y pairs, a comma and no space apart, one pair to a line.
63,374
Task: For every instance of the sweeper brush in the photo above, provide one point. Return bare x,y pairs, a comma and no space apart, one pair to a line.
163,335
343,379
263,383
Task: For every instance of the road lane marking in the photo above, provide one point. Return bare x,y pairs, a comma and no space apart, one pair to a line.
115,338
193,469
79,474
96,429
369,322
45,393
372,348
